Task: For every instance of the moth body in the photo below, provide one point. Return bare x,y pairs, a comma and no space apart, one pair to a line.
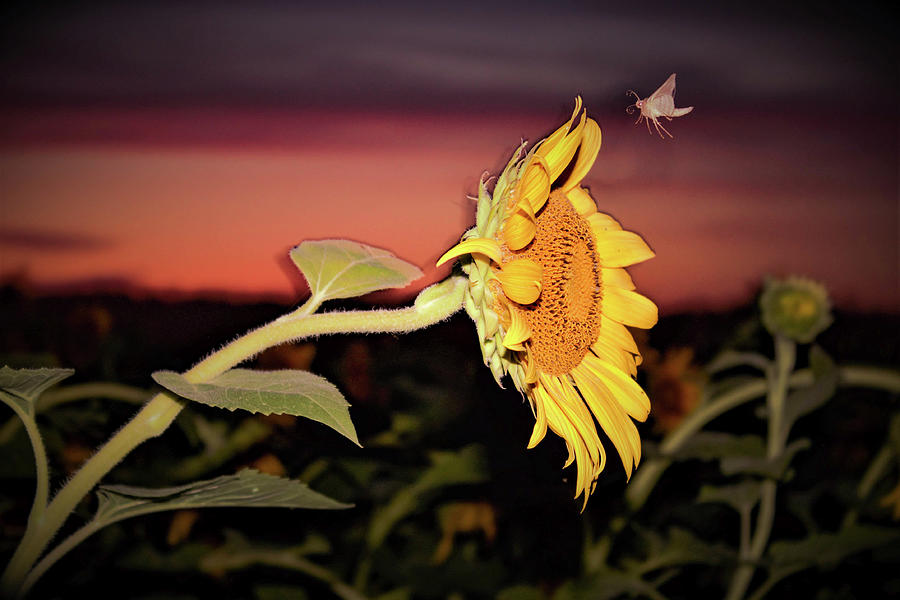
660,103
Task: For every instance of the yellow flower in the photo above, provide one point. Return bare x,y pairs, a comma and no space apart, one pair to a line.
551,300
675,385
464,517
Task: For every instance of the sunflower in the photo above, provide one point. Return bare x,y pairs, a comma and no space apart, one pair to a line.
552,302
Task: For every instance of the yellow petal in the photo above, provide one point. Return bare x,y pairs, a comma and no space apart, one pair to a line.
518,331
519,228
486,246
577,428
616,356
577,412
587,154
629,308
601,222
617,334
566,397
531,373
521,280
581,201
621,248
561,155
558,423
616,277
535,183
625,390
608,413
627,440
540,424
552,140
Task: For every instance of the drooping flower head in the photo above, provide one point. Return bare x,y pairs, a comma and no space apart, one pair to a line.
551,299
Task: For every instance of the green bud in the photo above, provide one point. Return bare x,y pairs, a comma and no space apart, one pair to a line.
796,308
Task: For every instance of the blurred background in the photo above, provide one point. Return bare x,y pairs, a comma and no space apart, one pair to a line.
161,148
159,159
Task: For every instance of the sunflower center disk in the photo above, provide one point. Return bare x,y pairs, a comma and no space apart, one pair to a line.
565,319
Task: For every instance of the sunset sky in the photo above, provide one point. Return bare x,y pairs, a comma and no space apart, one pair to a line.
162,148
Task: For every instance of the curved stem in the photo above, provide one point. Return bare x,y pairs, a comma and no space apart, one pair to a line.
785,357
874,472
645,478
72,393
434,304
41,466
649,473
871,377
60,550
94,389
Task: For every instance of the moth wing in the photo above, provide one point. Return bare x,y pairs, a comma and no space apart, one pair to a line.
661,101
661,105
666,89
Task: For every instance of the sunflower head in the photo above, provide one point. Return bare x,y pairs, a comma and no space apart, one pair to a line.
551,299
796,308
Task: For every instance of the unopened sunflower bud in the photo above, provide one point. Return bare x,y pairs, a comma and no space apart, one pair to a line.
796,308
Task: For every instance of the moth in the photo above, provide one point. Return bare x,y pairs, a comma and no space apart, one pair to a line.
660,103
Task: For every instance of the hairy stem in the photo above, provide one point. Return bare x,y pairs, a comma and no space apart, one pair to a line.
41,466
434,304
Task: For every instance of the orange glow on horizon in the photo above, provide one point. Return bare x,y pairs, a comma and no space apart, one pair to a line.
720,211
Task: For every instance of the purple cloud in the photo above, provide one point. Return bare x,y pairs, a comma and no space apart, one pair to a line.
51,241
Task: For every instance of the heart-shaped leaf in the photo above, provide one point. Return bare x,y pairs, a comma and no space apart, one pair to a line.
345,269
291,392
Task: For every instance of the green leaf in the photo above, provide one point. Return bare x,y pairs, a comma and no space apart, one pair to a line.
521,592
23,386
240,553
466,466
712,445
825,550
146,557
808,399
681,547
297,393
742,496
248,488
775,468
278,591
404,428
728,359
222,445
402,593
605,585
345,269
894,433
739,454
